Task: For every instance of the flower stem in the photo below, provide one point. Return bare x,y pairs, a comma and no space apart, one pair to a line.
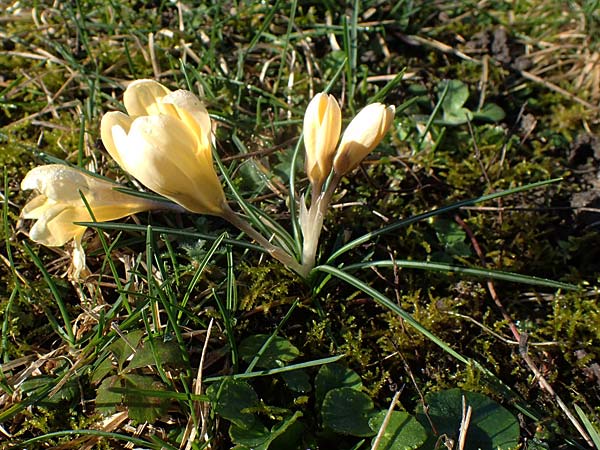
312,225
276,252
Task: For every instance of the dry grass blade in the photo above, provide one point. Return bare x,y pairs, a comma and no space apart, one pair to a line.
200,408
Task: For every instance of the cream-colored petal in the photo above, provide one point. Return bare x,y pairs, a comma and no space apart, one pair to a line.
311,126
109,122
142,97
193,113
35,207
154,140
322,125
113,211
58,182
162,156
330,134
55,227
362,135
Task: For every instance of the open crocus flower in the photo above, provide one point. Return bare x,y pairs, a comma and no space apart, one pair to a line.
362,135
59,204
322,125
164,142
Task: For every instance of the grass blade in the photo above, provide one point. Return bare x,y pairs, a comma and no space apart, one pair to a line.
292,367
65,332
159,445
402,223
592,431
271,337
169,231
480,273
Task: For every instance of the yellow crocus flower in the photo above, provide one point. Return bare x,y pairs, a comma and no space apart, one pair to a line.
58,204
164,142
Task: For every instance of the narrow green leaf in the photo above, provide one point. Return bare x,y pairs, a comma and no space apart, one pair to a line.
480,273
267,342
589,426
291,367
49,437
66,331
168,231
405,222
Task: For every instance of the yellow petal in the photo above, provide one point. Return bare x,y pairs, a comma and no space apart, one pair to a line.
35,207
362,135
60,203
109,121
142,97
322,125
56,181
55,227
193,113
161,152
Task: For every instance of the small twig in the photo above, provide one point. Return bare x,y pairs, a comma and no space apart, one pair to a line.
464,424
555,88
497,335
386,421
444,48
153,60
200,408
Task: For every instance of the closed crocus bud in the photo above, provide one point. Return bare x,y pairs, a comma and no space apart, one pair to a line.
362,135
164,142
58,204
322,125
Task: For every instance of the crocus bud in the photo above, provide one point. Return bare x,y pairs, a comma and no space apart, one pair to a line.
58,204
322,125
362,135
164,142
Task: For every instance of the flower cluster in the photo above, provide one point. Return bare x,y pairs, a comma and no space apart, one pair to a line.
324,157
164,141
322,126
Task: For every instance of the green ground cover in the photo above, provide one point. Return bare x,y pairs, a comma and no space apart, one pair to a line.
454,303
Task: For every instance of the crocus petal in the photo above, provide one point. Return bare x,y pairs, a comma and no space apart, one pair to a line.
35,207
362,135
158,153
59,204
55,181
193,113
55,227
109,121
153,140
142,97
166,145
322,125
